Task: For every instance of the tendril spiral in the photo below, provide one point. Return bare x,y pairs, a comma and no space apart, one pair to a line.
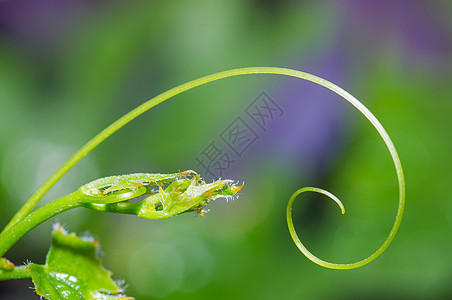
31,203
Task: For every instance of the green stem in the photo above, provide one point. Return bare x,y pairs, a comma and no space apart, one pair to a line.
117,208
130,209
16,273
11,236
31,203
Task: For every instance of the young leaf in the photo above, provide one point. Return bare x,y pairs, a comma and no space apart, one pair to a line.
124,187
185,195
184,192
73,271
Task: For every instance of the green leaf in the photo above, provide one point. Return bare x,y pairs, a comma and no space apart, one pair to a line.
119,188
73,271
167,195
184,195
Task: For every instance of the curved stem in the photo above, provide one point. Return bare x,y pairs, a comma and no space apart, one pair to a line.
16,273
28,206
11,236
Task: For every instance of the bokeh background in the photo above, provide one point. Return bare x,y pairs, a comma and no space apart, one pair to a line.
70,68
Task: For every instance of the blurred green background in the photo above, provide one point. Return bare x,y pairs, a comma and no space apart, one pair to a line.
70,68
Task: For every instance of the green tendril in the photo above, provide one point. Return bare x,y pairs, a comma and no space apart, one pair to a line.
31,203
